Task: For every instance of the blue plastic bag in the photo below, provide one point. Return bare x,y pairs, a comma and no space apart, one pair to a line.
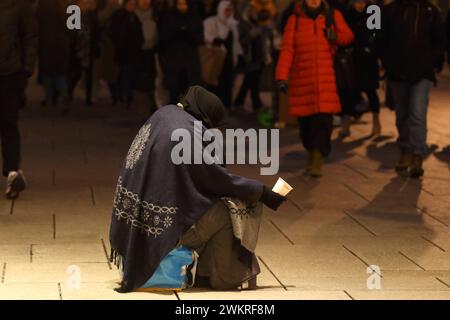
171,275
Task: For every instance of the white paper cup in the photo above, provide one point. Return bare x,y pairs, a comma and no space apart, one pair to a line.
282,187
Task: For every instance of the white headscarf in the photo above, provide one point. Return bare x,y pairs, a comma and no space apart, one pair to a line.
225,24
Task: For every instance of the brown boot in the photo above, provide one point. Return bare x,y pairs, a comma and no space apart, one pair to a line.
404,163
317,163
376,124
416,169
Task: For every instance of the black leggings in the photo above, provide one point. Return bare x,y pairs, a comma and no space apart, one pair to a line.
315,132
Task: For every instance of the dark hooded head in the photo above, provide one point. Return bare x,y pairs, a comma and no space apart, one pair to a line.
204,106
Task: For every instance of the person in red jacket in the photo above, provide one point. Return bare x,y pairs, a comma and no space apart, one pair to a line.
306,64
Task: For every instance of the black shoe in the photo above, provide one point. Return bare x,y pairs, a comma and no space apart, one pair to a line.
15,184
404,162
416,170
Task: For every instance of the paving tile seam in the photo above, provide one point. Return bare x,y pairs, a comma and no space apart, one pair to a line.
433,243
347,213
411,260
281,232
273,274
361,260
108,260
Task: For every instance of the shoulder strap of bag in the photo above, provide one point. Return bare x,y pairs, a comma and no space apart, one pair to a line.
329,18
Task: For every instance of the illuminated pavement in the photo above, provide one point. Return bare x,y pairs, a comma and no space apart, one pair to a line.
317,246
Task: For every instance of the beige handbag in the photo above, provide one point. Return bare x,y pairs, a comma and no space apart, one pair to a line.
211,61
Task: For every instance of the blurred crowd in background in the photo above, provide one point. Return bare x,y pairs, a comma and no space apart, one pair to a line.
161,47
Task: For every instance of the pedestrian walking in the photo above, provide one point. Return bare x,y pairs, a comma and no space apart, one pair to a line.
222,31
180,37
365,58
18,51
305,69
413,44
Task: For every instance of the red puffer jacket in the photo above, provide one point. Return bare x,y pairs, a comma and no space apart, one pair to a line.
306,60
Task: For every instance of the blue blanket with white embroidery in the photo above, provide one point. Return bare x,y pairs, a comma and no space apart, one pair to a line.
157,201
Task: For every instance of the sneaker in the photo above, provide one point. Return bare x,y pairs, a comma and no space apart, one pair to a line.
416,170
15,184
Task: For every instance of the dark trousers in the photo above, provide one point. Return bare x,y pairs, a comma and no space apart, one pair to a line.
251,82
75,75
348,99
11,100
213,239
315,132
372,96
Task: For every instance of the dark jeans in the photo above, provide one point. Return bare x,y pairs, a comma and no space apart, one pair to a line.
11,100
251,82
411,106
315,132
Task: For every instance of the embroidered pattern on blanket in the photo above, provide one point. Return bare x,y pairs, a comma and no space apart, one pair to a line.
137,147
238,208
147,216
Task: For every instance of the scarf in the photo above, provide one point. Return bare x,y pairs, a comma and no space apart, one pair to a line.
204,106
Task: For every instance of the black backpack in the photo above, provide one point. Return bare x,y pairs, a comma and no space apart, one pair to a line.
344,66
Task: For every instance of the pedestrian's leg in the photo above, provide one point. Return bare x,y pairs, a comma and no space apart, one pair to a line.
304,125
49,89
89,82
348,111
306,136
74,77
400,99
419,98
11,95
374,100
242,94
322,127
113,90
254,87
374,105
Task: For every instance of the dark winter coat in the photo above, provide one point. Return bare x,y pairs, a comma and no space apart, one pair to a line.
125,31
412,40
252,40
18,37
180,35
54,39
364,51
